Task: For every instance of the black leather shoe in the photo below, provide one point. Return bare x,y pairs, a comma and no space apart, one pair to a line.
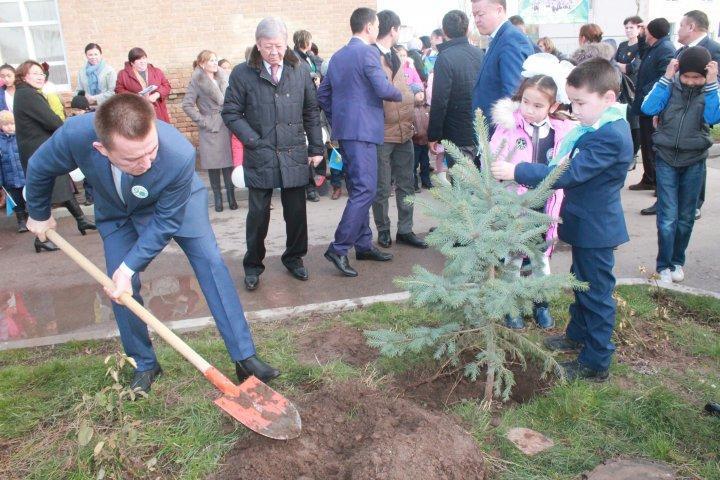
411,239
313,196
641,186
651,210
254,366
342,263
713,408
374,254
46,246
252,281
142,380
384,239
299,272
577,371
561,343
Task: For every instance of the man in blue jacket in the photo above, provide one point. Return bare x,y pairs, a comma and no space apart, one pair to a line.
147,193
509,47
351,95
656,50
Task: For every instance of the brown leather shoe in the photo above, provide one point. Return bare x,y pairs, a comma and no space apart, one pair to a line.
336,193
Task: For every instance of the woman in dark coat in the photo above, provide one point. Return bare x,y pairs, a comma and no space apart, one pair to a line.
203,103
35,122
138,75
271,105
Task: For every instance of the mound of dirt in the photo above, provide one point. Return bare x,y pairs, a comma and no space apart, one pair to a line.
351,431
340,342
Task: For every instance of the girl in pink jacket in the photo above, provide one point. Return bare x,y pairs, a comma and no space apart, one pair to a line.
532,130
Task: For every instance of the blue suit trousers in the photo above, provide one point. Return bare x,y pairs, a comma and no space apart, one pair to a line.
592,315
360,164
216,284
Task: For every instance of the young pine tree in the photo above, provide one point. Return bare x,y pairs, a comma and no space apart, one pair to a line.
481,224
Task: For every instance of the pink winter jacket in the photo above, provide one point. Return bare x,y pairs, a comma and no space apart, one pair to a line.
510,128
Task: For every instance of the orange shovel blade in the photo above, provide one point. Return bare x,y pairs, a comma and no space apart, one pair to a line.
262,410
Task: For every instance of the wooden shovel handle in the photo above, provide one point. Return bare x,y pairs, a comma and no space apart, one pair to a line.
126,299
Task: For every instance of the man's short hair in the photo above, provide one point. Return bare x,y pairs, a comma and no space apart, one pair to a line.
596,75
496,2
360,18
127,115
437,33
455,24
516,20
700,19
635,20
387,20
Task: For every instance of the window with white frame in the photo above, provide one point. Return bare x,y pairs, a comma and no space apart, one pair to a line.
30,29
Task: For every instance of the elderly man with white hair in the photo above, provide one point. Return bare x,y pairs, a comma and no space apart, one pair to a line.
271,106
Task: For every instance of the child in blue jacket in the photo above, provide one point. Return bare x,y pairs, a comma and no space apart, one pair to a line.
593,222
686,101
12,178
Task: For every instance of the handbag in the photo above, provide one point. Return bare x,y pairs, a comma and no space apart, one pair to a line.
421,121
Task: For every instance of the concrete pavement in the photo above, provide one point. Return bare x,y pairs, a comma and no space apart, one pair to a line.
47,299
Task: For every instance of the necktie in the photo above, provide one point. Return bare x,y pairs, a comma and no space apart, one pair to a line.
680,51
535,143
274,73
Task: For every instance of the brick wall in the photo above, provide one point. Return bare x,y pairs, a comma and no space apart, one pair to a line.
173,32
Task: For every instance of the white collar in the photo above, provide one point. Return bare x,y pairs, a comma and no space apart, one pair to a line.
383,48
361,39
544,128
695,43
494,34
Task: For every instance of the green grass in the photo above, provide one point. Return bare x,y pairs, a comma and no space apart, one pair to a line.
651,416
715,132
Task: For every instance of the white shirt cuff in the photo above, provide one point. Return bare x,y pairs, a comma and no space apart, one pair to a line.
126,270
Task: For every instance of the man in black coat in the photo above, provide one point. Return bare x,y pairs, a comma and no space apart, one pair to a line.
456,71
271,105
656,50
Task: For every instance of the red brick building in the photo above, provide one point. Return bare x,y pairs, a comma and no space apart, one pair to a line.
172,32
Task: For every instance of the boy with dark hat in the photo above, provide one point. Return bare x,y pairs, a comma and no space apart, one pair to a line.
686,101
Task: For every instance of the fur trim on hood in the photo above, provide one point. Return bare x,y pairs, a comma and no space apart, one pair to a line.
210,88
503,113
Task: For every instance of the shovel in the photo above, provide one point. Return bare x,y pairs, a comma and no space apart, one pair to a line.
252,403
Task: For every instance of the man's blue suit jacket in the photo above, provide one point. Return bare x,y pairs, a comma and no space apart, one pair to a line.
501,68
592,213
352,93
176,201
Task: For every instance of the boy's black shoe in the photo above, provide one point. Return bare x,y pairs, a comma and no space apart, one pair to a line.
651,210
561,343
641,186
142,380
576,371
254,366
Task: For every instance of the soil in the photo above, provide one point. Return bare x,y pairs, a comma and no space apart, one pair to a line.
340,342
352,431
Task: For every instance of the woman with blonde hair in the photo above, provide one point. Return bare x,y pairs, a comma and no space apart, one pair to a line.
203,103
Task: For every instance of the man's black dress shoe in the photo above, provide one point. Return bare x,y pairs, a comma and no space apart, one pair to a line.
254,366
384,239
313,196
713,408
142,380
299,272
641,186
577,371
252,281
373,254
411,239
651,210
342,263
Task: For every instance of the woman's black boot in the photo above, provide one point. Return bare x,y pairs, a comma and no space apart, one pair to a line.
47,246
82,222
214,174
230,188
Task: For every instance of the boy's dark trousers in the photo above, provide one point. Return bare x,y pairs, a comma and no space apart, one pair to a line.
646,146
592,315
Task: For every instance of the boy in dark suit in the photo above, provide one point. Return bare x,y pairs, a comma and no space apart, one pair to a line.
601,150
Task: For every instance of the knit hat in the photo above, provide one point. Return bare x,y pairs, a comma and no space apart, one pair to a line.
694,60
658,28
80,101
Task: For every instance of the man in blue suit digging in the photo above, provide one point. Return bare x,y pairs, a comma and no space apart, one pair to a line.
351,95
142,171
